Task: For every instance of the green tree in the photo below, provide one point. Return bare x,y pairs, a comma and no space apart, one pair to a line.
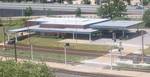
1,24
28,11
18,0
49,12
86,1
69,1
25,69
146,18
112,9
78,12
146,2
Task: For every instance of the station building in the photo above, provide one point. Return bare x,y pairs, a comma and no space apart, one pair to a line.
79,27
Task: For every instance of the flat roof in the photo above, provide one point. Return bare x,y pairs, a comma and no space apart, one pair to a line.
63,30
68,21
23,29
116,24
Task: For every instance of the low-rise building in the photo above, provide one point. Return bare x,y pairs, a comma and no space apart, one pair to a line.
94,2
88,28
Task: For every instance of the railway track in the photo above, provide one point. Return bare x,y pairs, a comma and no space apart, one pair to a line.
59,50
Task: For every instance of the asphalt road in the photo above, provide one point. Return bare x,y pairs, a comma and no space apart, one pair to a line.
40,9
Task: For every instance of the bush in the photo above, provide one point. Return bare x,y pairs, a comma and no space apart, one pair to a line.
25,69
78,12
146,18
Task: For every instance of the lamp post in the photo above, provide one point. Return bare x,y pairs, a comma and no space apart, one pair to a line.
65,51
142,38
142,56
4,33
15,50
111,64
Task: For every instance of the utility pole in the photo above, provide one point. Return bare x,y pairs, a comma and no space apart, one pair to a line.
31,52
14,41
65,52
4,33
111,62
142,33
142,55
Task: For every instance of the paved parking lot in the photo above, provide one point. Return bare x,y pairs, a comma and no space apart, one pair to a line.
138,40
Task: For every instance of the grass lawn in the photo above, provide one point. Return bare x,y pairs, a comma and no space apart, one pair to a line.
1,34
53,43
10,24
43,56
147,51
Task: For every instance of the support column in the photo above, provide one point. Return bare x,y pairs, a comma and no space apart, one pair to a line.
73,35
90,37
123,33
57,35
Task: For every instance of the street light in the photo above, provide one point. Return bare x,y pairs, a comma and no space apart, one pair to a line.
114,36
111,64
65,51
142,57
142,32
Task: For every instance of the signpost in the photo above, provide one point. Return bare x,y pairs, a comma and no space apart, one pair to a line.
65,51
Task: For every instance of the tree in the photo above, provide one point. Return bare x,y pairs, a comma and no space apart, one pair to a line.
28,11
49,12
112,9
78,12
69,1
24,69
145,2
18,0
86,1
146,18
1,24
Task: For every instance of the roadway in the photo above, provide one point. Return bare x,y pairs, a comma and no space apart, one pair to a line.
61,8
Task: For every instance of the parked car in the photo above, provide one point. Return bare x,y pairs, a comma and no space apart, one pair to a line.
139,7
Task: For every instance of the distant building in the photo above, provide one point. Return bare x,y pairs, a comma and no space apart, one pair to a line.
133,2
94,2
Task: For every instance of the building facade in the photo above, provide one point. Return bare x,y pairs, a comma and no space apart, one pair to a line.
97,2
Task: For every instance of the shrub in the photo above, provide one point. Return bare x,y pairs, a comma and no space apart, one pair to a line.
26,69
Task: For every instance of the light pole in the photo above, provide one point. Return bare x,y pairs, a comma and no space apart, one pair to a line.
142,57
4,33
142,38
114,36
65,51
111,64
31,52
